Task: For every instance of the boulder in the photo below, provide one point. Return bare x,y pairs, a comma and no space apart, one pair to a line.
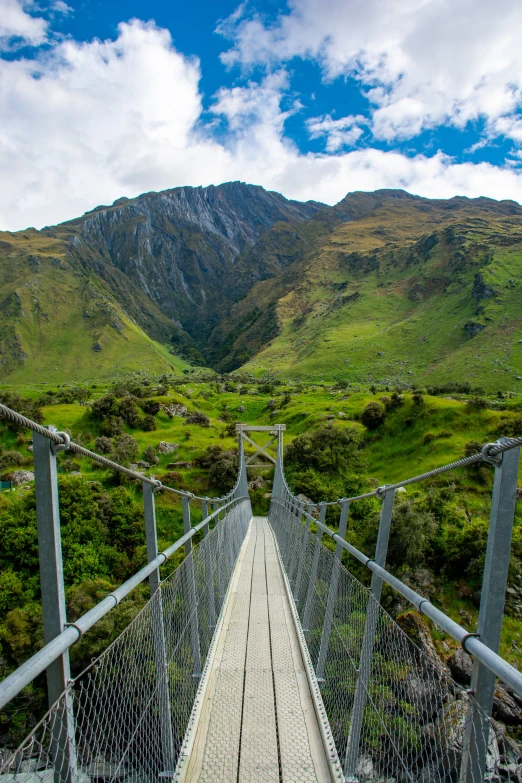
167,448
461,666
181,464
176,409
18,477
257,483
505,708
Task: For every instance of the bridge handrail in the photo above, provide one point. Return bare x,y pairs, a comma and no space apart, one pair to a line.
469,643
488,453
63,440
17,680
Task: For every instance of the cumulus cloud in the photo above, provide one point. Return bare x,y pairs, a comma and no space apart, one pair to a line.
17,26
343,132
86,123
422,63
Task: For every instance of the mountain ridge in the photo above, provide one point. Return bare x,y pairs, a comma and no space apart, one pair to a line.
234,275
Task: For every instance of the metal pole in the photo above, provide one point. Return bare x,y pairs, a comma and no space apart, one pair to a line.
491,612
332,594
208,569
192,602
53,605
359,702
313,572
158,630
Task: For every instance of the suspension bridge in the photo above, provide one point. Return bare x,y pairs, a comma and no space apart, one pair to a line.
262,657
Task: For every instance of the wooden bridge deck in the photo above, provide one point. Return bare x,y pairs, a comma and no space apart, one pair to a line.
257,720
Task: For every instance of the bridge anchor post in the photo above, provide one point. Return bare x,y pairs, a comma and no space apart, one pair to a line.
53,606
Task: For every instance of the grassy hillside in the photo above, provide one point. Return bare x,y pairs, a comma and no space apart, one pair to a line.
61,324
416,290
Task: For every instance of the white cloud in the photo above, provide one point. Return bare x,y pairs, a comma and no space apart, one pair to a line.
423,62
343,132
87,123
18,26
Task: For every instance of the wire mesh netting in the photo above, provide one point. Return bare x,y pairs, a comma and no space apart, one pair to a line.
395,713
125,717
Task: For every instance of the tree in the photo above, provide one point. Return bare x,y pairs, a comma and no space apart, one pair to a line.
373,415
328,449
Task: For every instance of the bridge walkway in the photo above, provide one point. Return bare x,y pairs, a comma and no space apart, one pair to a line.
257,720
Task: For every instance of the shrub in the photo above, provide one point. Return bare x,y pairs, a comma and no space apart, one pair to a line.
428,437
328,449
151,407
70,465
112,427
103,445
477,403
412,532
129,412
124,450
148,423
373,415
198,417
510,428
396,400
243,390
222,466
150,455
418,399
104,407
12,458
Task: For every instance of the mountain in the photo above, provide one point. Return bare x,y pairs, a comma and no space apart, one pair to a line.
129,285
389,287
384,286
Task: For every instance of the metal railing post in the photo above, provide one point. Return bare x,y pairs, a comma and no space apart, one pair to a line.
158,630
332,594
365,661
302,555
53,605
313,571
491,612
208,568
192,600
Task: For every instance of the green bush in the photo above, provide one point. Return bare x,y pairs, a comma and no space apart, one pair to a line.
373,415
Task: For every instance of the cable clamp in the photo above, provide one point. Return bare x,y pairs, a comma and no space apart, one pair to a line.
158,486
65,446
493,459
381,491
465,639
424,601
74,625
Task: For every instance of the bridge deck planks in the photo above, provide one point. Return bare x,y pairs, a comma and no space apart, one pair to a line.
257,720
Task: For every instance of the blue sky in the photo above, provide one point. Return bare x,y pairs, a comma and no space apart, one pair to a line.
313,98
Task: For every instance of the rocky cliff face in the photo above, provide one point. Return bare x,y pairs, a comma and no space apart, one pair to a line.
180,246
